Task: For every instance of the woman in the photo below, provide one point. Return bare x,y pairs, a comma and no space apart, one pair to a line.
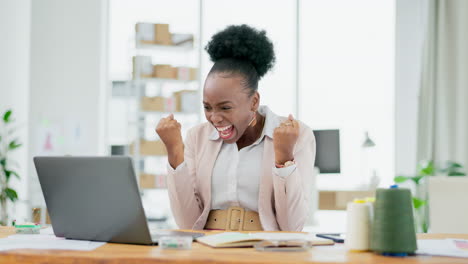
246,168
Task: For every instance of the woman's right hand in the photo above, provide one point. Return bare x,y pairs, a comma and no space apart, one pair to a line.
169,131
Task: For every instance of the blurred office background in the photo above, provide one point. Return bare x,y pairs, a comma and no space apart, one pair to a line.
382,83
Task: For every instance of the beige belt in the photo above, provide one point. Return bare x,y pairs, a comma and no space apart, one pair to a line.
234,219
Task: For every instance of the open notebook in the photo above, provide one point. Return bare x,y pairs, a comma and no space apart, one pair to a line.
235,239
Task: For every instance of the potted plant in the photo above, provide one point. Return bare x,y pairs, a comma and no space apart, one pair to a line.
7,145
420,198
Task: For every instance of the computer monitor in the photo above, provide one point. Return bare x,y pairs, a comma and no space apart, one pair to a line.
327,157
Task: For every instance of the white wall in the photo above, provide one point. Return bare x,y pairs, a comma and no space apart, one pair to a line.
409,40
68,80
14,87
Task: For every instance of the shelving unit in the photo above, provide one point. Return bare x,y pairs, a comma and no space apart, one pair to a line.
162,81
170,105
160,78
158,47
128,122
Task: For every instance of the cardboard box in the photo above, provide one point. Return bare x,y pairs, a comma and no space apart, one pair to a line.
186,101
164,71
145,67
158,103
187,73
150,148
162,35
151,181
153,103
338,200
148,33
147,181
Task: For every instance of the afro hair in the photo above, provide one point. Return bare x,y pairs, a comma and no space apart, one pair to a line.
243,43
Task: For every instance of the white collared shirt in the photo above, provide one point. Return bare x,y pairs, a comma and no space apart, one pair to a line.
237,173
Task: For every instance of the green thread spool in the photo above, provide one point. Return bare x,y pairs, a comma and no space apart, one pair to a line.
393,229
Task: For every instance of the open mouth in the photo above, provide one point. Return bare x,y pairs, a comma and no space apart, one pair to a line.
226,132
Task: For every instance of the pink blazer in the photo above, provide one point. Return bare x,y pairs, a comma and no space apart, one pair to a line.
282,203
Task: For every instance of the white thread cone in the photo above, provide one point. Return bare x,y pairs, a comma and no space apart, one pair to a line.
358,228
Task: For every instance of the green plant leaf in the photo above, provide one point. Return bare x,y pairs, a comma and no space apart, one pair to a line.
452,164
426,168
417,179
7,174
427,171
6,116
11,194
13,145
456,173
15,173
3,162
425,228
418,203
452,169
400,179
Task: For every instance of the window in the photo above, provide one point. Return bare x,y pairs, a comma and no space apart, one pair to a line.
347,82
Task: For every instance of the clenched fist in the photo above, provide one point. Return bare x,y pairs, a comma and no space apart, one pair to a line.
169,130
284,140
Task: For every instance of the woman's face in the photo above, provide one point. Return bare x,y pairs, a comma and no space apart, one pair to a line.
228,106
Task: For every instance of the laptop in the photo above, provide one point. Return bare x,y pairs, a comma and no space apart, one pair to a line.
97,199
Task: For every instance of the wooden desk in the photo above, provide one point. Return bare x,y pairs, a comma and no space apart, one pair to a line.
131,254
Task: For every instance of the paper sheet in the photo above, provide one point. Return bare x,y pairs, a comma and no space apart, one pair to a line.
47,231
283,236
443,247
293,236
46,241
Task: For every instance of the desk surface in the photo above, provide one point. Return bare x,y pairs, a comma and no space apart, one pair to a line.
132,254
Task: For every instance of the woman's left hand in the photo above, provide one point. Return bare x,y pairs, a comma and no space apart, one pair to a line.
284,140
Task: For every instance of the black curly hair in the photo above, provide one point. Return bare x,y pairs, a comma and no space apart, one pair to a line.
242,50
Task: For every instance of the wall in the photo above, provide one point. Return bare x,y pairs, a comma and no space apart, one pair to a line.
14,88
68,80
409,40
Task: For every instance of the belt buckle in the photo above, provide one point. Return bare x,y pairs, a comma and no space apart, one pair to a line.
240,219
